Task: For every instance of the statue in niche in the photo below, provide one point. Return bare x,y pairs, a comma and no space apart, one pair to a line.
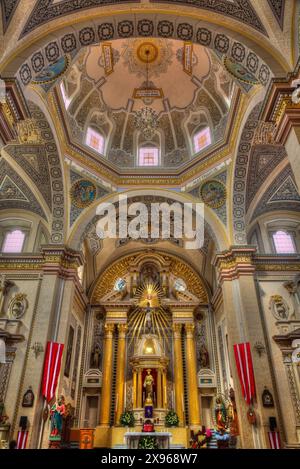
279,307
148,326
148,384
149,274
203,357
96,357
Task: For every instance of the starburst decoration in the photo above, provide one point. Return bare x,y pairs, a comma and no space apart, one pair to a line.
149,295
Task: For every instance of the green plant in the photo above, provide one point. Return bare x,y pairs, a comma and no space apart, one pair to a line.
148,442
171,419
127,419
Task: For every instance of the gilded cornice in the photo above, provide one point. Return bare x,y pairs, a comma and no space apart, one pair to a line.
243,261
52,259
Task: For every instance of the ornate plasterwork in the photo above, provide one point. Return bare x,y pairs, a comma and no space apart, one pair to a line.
14,193
49,10
282,194
263,160
144,27
57,186
121,267
33,160
240,173
240,10
277,7
8,10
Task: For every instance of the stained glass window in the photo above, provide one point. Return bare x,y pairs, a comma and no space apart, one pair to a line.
202,139
284,243
148,157
95,140
13,241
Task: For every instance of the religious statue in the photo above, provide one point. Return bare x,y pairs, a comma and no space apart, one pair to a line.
57,413
232,414
203,357
95,358
148,320
221,414
148,383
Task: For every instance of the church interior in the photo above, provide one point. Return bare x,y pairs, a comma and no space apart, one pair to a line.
126,342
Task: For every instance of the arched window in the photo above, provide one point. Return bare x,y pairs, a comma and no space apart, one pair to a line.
95,140
284,242
148,156
13,241
202,139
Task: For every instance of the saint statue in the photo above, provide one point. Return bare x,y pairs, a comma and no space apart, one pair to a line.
221,415
148,384
148,320
203,357
57,413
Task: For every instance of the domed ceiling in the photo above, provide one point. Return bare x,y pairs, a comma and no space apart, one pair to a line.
184,84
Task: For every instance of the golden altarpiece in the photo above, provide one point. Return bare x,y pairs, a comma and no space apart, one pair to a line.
152,343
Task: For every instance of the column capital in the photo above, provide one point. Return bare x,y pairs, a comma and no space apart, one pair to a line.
238,260
122,328
109,329
189,330
177,328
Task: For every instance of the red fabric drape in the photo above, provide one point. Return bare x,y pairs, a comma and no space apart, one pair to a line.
243,359
22,439
52,367
274,439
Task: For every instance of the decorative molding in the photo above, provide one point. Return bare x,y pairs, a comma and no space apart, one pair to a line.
277,7
73,42
8,9
282,194
240,10
263,160
14,193
49,10
240,174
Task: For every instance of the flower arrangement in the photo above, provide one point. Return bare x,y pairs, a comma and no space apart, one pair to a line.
127,419
171,419
148,442
200,439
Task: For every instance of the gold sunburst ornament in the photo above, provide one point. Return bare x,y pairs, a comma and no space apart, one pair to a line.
148,316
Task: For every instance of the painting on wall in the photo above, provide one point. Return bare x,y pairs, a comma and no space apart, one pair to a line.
83,193
213,193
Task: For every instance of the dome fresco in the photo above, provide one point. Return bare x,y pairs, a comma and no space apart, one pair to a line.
190,90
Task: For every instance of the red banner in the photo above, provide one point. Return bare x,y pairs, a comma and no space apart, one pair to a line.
274,439
244,366
51,369
22,439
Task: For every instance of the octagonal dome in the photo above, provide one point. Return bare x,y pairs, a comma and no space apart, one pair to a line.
184,85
